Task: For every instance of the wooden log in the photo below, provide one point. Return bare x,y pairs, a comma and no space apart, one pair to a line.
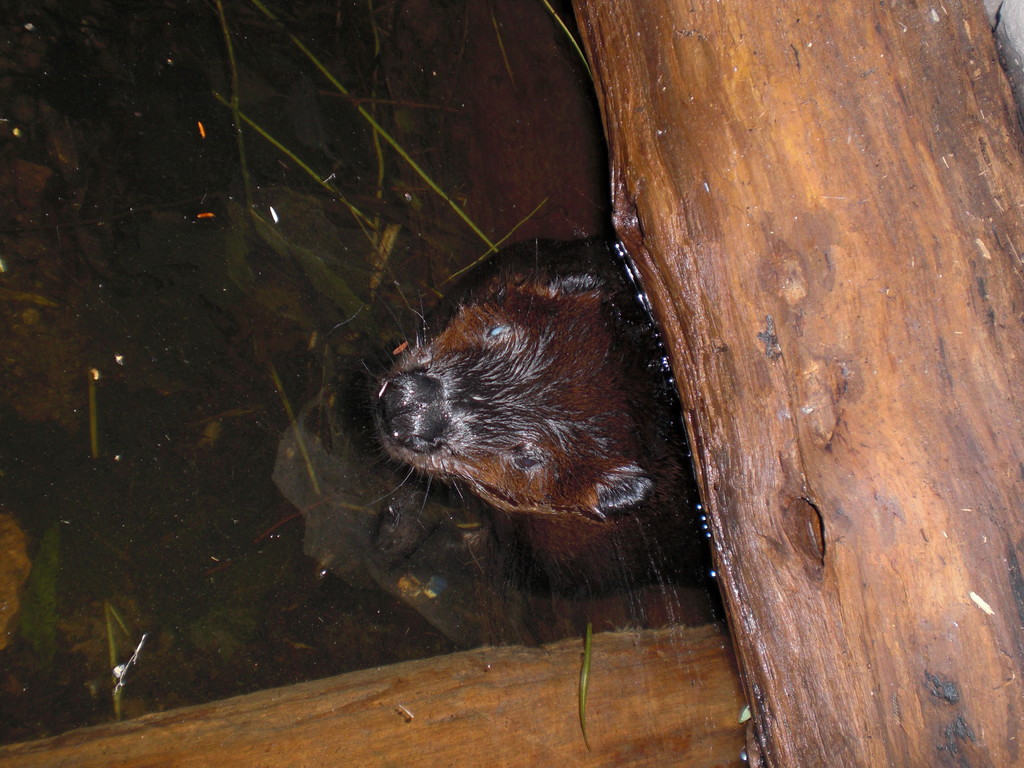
655,697
825,204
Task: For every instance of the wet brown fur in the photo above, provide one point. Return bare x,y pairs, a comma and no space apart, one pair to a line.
541,396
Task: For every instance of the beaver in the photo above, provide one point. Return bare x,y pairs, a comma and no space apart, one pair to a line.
546,395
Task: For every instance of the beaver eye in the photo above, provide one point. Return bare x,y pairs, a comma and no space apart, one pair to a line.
526,457
497,330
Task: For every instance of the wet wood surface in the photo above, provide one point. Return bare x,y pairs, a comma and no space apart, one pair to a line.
825,204
665,697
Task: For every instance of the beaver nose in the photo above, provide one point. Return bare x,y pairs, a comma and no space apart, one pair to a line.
412,411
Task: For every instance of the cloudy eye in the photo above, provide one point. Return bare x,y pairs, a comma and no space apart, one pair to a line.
497,330
526,457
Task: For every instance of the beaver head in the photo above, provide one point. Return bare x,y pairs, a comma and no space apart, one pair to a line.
530,398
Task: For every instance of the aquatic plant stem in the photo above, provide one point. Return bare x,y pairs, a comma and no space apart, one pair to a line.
379,129
360,217
94,429
493,248
585,682
572,38
233,104
118,696
298,432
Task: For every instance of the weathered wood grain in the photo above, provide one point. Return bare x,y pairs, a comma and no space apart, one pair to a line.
666,697
825,203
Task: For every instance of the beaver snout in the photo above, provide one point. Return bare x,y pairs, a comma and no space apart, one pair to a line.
412,411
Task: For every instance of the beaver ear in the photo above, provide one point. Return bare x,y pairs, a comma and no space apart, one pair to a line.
622,489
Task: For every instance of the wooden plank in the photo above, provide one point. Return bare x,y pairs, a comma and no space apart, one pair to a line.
825,202
655,697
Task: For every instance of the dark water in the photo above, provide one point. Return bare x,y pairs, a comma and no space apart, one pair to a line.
174,298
